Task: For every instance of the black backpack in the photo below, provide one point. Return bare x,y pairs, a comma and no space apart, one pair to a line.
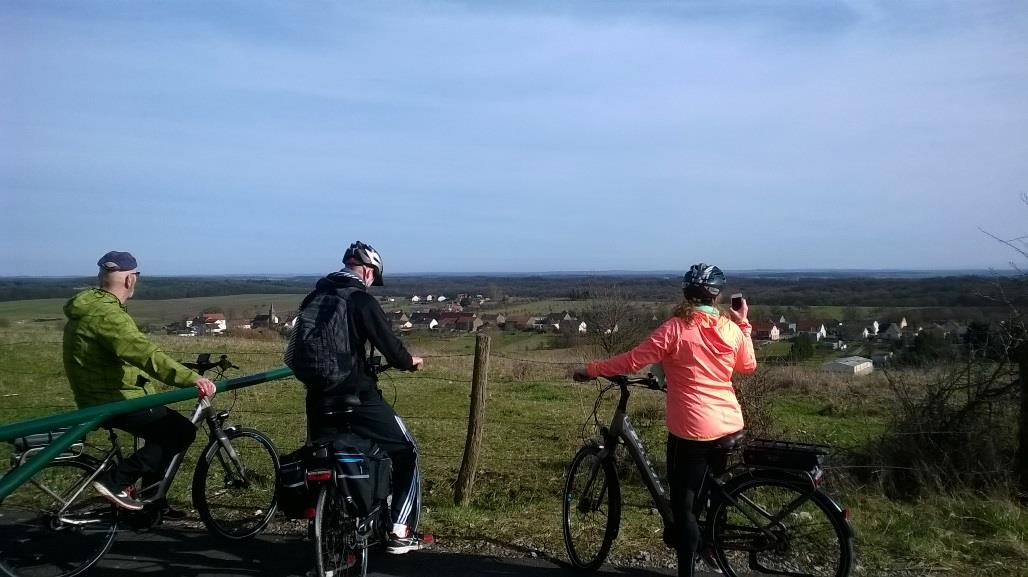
319,345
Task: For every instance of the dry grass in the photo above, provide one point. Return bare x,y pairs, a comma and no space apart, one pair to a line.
535,420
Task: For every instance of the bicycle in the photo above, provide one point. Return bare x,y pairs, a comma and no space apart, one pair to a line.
56,525
344,528
764,515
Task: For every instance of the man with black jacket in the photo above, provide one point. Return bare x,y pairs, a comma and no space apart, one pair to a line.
365,324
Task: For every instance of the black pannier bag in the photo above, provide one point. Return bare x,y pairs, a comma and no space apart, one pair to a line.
363,471
784,454
295,499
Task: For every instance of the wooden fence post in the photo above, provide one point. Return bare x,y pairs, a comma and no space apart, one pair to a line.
476,422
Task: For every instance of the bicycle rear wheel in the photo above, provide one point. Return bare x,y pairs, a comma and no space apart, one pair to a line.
235,496
797,531
55,524
591,509
334,539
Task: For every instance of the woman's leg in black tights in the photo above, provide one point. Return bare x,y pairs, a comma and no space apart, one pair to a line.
687,468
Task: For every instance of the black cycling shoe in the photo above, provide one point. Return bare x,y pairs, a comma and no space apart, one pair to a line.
412,542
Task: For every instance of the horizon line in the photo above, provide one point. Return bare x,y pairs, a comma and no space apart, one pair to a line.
651,272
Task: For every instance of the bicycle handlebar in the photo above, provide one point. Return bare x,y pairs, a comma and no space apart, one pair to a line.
203,363
649,381
377,366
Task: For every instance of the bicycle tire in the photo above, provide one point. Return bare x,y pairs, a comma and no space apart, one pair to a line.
237,506
35,542
583,514
334,539
811,537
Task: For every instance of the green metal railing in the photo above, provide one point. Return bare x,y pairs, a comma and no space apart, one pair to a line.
85,420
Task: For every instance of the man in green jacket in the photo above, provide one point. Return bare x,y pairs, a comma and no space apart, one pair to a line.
107,359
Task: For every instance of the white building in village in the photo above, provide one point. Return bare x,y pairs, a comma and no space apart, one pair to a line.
849,366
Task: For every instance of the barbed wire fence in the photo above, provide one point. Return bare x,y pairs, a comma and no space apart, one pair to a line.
14,406
519,426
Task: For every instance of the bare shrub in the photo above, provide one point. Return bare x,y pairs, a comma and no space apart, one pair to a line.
615,323
755,393
951,429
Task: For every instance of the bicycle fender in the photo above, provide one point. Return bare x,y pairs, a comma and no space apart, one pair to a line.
793,478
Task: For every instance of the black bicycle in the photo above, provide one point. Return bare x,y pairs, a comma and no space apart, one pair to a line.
352,489
765,515
56,525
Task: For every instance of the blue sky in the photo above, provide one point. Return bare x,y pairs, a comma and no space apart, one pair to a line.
263,137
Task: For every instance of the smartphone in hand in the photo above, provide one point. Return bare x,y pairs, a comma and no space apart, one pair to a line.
737,301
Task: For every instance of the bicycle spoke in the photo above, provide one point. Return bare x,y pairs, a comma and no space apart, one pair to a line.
780,529
591,510
51,526
234,490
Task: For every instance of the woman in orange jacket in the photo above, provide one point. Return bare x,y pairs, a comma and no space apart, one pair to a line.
699,349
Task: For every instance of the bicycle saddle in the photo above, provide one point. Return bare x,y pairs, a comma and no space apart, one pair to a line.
731,442
349,402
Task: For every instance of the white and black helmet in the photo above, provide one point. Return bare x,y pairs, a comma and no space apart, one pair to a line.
703,281
365,254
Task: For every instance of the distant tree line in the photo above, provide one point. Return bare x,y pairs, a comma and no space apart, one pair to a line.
964,291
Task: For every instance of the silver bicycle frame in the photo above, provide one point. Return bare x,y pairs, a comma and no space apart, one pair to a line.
203,412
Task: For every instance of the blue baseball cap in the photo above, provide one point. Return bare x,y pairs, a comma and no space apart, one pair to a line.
117,261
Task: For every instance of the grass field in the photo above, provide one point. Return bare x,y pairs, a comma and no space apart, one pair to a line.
535,420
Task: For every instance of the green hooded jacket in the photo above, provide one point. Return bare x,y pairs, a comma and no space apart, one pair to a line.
106,358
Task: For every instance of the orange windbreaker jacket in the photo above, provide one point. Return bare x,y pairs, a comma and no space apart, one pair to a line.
699,358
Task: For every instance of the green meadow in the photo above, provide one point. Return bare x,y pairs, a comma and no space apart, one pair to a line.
535,420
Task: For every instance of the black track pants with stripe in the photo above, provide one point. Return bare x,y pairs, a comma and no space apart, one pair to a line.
376,421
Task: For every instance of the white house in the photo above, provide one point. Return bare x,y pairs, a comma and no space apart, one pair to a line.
816,329
415,299
430,298
767,331
208,324
849,366
440,298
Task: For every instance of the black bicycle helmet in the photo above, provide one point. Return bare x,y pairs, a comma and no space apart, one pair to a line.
364,254
703,281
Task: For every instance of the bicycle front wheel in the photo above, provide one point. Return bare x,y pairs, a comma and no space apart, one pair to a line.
55,524
591,508
782,528
334,539
234,485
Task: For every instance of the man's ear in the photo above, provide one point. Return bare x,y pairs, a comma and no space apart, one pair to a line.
130,281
